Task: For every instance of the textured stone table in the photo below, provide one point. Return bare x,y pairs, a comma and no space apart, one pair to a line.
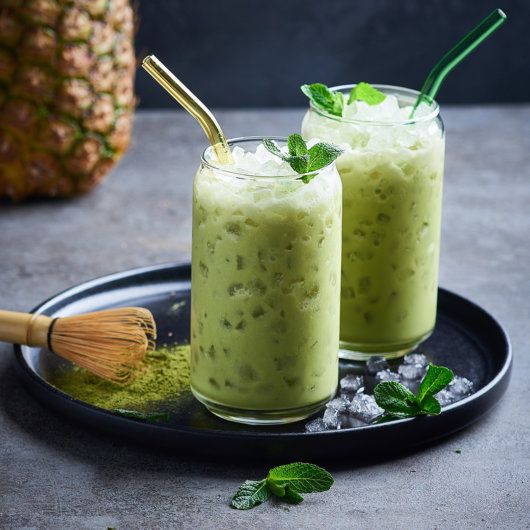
54,474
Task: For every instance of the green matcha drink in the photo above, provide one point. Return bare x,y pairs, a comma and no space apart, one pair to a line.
391,171
265,286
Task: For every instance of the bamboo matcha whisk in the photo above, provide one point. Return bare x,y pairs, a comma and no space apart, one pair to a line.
108,343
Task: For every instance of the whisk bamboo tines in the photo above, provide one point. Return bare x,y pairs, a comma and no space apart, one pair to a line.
109,343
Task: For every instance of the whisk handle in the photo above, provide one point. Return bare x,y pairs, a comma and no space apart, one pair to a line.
24,328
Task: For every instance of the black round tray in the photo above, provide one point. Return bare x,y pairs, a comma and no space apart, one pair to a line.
467,339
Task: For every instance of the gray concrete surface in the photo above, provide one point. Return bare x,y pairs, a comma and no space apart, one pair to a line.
56,475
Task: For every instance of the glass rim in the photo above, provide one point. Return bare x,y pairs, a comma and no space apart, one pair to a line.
409,91
241,174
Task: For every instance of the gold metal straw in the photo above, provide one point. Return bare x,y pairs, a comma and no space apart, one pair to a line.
193,105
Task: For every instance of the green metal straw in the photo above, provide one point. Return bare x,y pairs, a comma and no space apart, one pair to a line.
458,52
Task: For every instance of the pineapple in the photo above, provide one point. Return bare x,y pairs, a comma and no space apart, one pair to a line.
66,94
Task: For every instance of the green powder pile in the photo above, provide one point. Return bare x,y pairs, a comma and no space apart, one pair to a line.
165,374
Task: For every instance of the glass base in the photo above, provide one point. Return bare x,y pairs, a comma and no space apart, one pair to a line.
260,417
351,351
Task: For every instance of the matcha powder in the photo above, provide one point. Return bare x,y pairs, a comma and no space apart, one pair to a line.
165,374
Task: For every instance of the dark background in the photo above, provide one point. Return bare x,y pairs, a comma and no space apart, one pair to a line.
255,53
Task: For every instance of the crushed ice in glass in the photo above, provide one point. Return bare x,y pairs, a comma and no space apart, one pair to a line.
354,406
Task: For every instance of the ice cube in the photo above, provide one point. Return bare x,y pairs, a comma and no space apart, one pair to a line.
416,358
364,408
457,389
386,375
340,404
412,371
412,384
460,387
445,397
316,425
376,364
351,384
331,419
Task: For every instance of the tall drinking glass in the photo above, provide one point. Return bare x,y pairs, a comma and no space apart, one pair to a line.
391,173
265,291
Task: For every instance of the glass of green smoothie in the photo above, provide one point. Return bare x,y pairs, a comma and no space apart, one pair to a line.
391,170
265,285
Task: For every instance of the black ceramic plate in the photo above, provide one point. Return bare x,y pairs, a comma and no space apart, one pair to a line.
466,338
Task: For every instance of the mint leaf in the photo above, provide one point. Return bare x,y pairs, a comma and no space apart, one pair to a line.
298,163
307,178
367,93
390,417
292,497
322,154
301,477
323,98
436,379
250,494
396,399
296,145
273,148
142,416
430,405
399,402
302,160
277,489
286,482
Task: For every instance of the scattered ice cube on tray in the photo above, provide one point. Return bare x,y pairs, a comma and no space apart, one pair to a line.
412,384
355,408
415,366
364,408
316,425
445,397
376,364
457,389
351,384
387,375
460,386
412,371
340,403
416,358
331,419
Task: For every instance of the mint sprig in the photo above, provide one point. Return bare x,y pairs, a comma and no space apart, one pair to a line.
250,494
324,99
303,160
286,482
399,402
367,93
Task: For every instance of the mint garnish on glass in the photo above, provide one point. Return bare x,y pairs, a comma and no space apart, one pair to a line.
333,102
367,93
287,482
302,159
399,402
325,99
